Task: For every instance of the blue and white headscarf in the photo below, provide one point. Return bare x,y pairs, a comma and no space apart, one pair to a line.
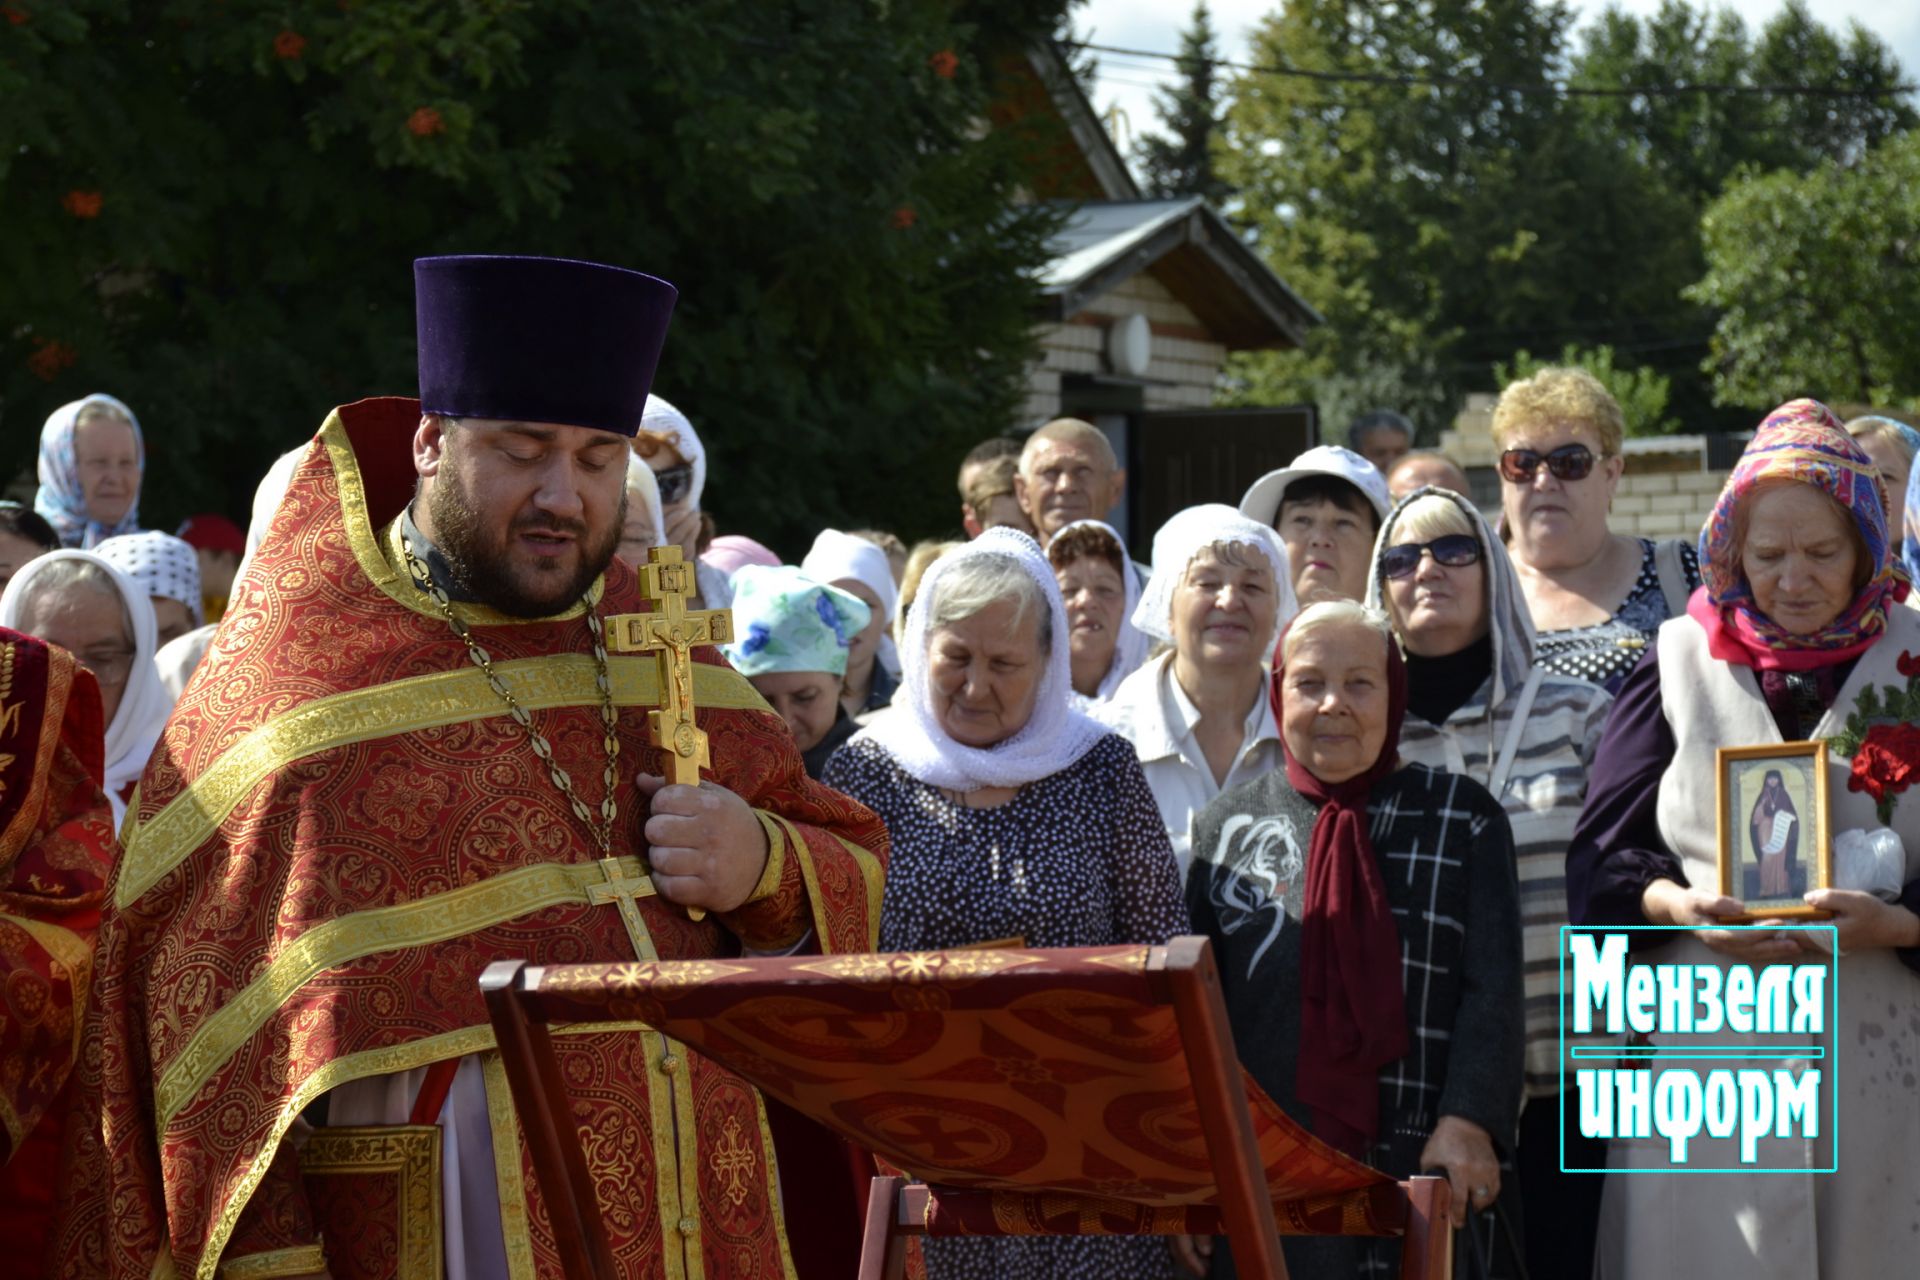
60,499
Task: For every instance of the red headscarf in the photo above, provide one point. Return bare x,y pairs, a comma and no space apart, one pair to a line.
1353,1017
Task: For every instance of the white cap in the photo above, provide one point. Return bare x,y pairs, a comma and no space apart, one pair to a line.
1262,502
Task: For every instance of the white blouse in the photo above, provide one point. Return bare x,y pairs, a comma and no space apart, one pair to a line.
1154,713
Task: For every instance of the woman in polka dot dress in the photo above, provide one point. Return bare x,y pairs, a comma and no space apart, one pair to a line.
1012,816
1596,596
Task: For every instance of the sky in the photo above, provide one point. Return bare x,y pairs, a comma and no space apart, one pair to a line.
1126,84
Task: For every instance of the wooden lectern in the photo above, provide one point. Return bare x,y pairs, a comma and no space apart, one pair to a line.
1089,1091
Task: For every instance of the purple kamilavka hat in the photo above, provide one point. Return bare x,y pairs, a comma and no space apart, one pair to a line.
538,339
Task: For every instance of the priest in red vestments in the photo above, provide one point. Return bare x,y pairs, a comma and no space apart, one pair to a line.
406,755
56,848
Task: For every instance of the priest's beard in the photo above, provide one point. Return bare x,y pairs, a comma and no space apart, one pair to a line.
480,558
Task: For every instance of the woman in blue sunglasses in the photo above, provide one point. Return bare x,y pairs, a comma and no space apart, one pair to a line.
1480,703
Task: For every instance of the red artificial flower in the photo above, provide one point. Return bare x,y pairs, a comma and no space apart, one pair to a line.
425,122
49,358
1908,665
82,204
945,63
904,217
289,45
1887,760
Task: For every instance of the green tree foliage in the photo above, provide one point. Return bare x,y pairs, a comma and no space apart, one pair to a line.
1179,162
1641,393
212,208
1812,275
1440,228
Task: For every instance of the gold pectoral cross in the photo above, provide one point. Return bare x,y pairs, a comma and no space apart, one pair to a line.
625,892
670,633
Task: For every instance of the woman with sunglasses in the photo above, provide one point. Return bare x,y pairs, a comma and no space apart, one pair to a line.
1596,597
1478,704
669,445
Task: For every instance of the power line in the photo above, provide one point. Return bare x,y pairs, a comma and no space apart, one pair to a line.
1556,88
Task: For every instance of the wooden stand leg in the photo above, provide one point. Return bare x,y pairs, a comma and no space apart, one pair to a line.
883,1250
1426,1253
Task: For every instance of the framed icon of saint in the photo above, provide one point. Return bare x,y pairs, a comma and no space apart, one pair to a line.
1773,827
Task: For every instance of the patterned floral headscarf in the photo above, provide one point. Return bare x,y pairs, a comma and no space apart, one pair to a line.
1802,441
786,621
1911,551
60,499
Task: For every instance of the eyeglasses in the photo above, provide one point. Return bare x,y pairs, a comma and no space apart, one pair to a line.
675,483
1568,462
1453,551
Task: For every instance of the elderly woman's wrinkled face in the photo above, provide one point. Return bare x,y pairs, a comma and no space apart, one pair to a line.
1333,700
108,460
89,623
984,673
1328,546
1224,609
866,642
1439,609
1096,601
809,701
1799,557
1894,467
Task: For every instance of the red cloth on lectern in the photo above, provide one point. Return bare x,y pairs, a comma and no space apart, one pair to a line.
56,849
342,827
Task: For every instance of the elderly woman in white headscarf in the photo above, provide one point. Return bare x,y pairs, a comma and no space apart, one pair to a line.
86,606
168,570
1012,816
1101,591
91,459
1197,715
671,447
861,569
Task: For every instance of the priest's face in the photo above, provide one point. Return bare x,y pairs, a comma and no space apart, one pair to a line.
527,514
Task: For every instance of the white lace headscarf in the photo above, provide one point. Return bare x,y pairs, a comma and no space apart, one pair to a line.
1186,536
144,704
1055,736
1131,645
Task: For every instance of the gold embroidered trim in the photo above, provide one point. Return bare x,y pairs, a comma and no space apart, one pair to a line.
354,1066
871,876
301,1260
787,1271
409,924
402,706
411,1155
71,952
508,1172
776,868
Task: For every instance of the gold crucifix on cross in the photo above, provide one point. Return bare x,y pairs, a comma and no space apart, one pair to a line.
625,892
669,633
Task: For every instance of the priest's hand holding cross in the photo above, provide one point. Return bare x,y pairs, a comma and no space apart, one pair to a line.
708,850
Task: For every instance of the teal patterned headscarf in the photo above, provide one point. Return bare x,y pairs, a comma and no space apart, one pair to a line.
786,621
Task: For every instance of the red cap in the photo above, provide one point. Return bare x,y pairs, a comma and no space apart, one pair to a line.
211,532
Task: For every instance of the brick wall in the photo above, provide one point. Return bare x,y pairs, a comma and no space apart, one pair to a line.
1184,364
1665,506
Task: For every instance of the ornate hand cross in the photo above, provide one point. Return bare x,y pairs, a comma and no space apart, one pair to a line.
669,633
625,891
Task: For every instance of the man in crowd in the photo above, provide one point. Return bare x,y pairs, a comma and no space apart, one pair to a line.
1381,437
1067,472
411,756
986,487
1426,467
